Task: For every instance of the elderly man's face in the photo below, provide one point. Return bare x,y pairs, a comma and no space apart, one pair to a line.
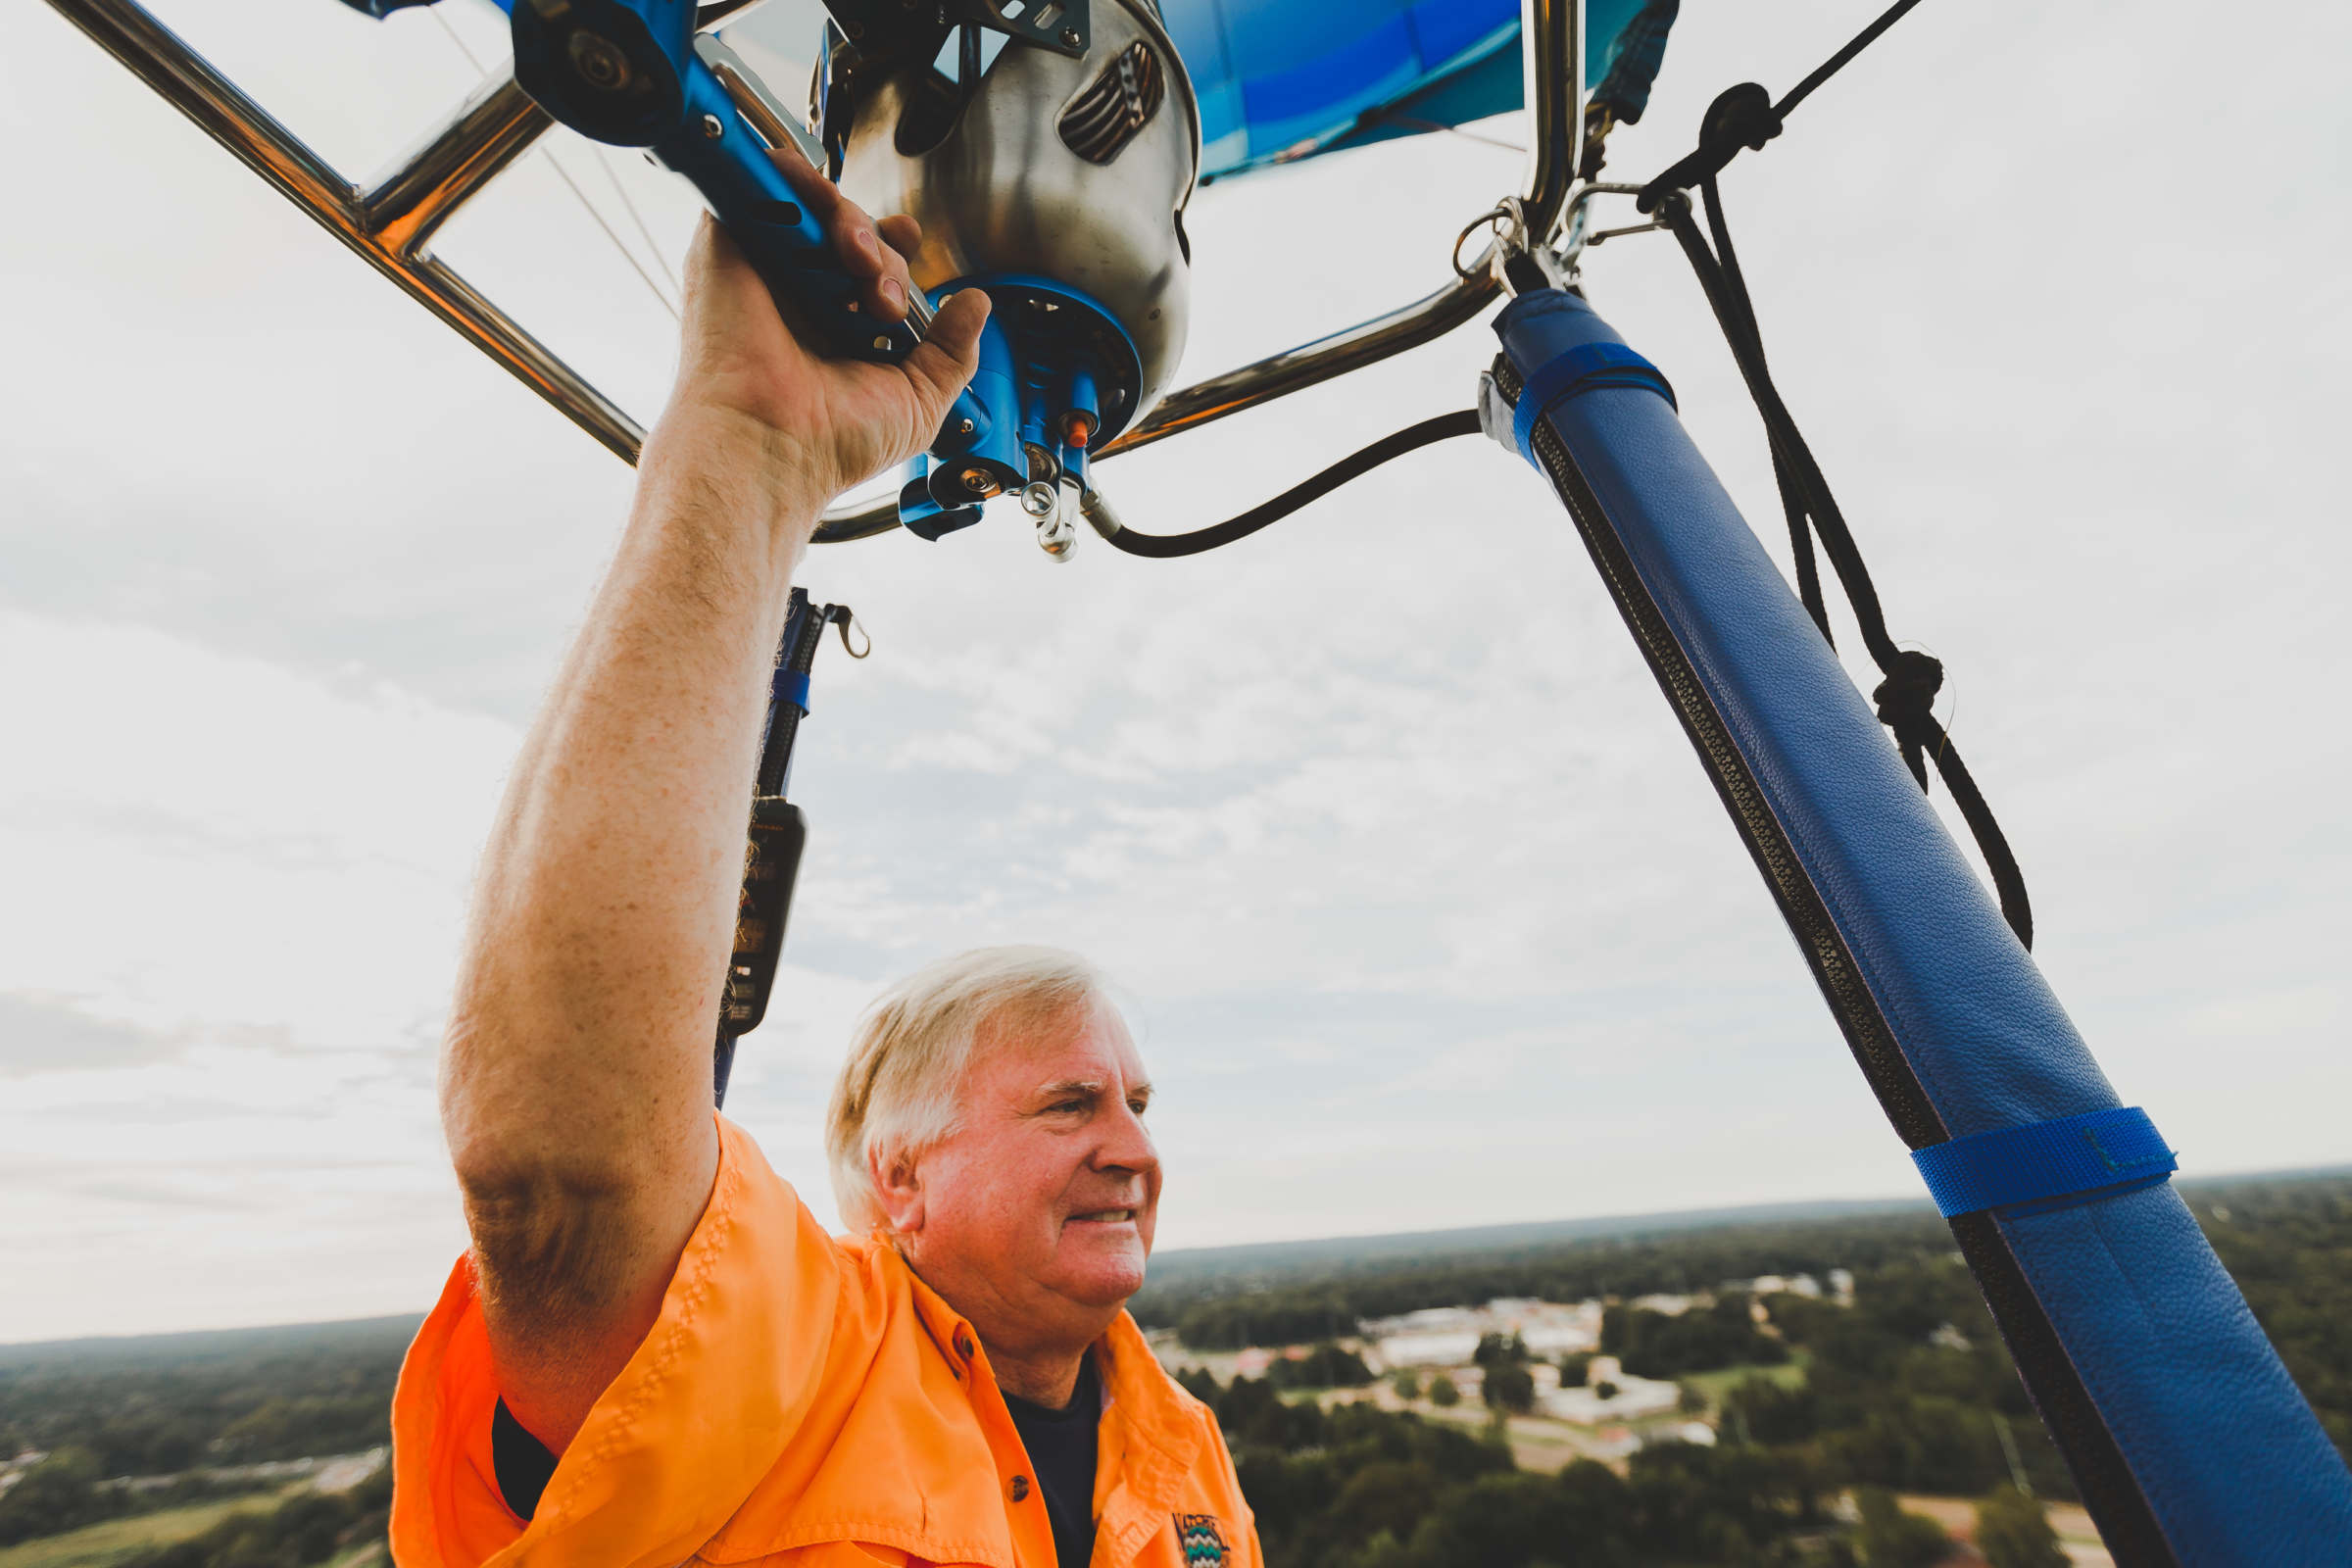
1037,1211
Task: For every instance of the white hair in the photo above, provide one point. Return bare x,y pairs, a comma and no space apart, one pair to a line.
898,1093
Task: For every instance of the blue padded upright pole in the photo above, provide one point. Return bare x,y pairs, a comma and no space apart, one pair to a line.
2190,1444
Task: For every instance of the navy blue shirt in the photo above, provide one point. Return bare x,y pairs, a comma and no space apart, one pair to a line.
1061,1452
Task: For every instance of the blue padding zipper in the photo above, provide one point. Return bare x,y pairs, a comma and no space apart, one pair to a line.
2046,1166
1574,373
792,686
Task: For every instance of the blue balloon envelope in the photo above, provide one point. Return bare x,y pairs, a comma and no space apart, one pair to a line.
1285,79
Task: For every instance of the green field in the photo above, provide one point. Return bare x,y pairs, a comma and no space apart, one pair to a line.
101,1545
1788,1373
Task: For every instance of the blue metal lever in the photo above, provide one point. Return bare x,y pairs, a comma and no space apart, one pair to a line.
626,73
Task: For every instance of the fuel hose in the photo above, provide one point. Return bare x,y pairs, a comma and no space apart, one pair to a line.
1352,467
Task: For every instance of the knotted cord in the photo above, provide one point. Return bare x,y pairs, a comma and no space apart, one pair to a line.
1746,117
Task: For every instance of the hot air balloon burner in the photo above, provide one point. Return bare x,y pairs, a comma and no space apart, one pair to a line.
1056,183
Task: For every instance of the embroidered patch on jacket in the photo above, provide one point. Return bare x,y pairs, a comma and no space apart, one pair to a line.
1204,1543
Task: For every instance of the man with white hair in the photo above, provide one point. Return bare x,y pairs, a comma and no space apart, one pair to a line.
653,1354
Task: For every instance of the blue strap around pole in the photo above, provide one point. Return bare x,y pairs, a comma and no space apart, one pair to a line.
792,686
2047,1164
1574,373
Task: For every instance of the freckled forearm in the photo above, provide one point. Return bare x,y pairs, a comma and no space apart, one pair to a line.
583,1020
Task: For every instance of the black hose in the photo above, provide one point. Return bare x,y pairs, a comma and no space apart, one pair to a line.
876,518
1412,437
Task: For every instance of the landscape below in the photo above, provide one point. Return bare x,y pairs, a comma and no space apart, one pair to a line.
1769,1386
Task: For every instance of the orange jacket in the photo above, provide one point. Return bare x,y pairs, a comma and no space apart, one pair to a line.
802,1400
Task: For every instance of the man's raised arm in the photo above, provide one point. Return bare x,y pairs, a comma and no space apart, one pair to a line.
575,1078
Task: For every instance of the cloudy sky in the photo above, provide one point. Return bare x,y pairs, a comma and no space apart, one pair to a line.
1426,915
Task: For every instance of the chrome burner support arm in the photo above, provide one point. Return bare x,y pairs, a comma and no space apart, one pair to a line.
389,225
489,131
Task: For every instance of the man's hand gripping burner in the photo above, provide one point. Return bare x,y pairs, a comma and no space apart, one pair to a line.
653,1354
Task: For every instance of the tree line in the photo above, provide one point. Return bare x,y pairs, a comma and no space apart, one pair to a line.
1328,1299
179,1406
1356,1487
2287,1241
1908,1390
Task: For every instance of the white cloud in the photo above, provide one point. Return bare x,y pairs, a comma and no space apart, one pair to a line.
41,1031
219,840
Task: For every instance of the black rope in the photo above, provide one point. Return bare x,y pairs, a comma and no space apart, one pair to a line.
1905,696
1412,438
1837,62
1746,117
1792,501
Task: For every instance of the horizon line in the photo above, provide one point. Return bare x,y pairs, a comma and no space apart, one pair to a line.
1826,1208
